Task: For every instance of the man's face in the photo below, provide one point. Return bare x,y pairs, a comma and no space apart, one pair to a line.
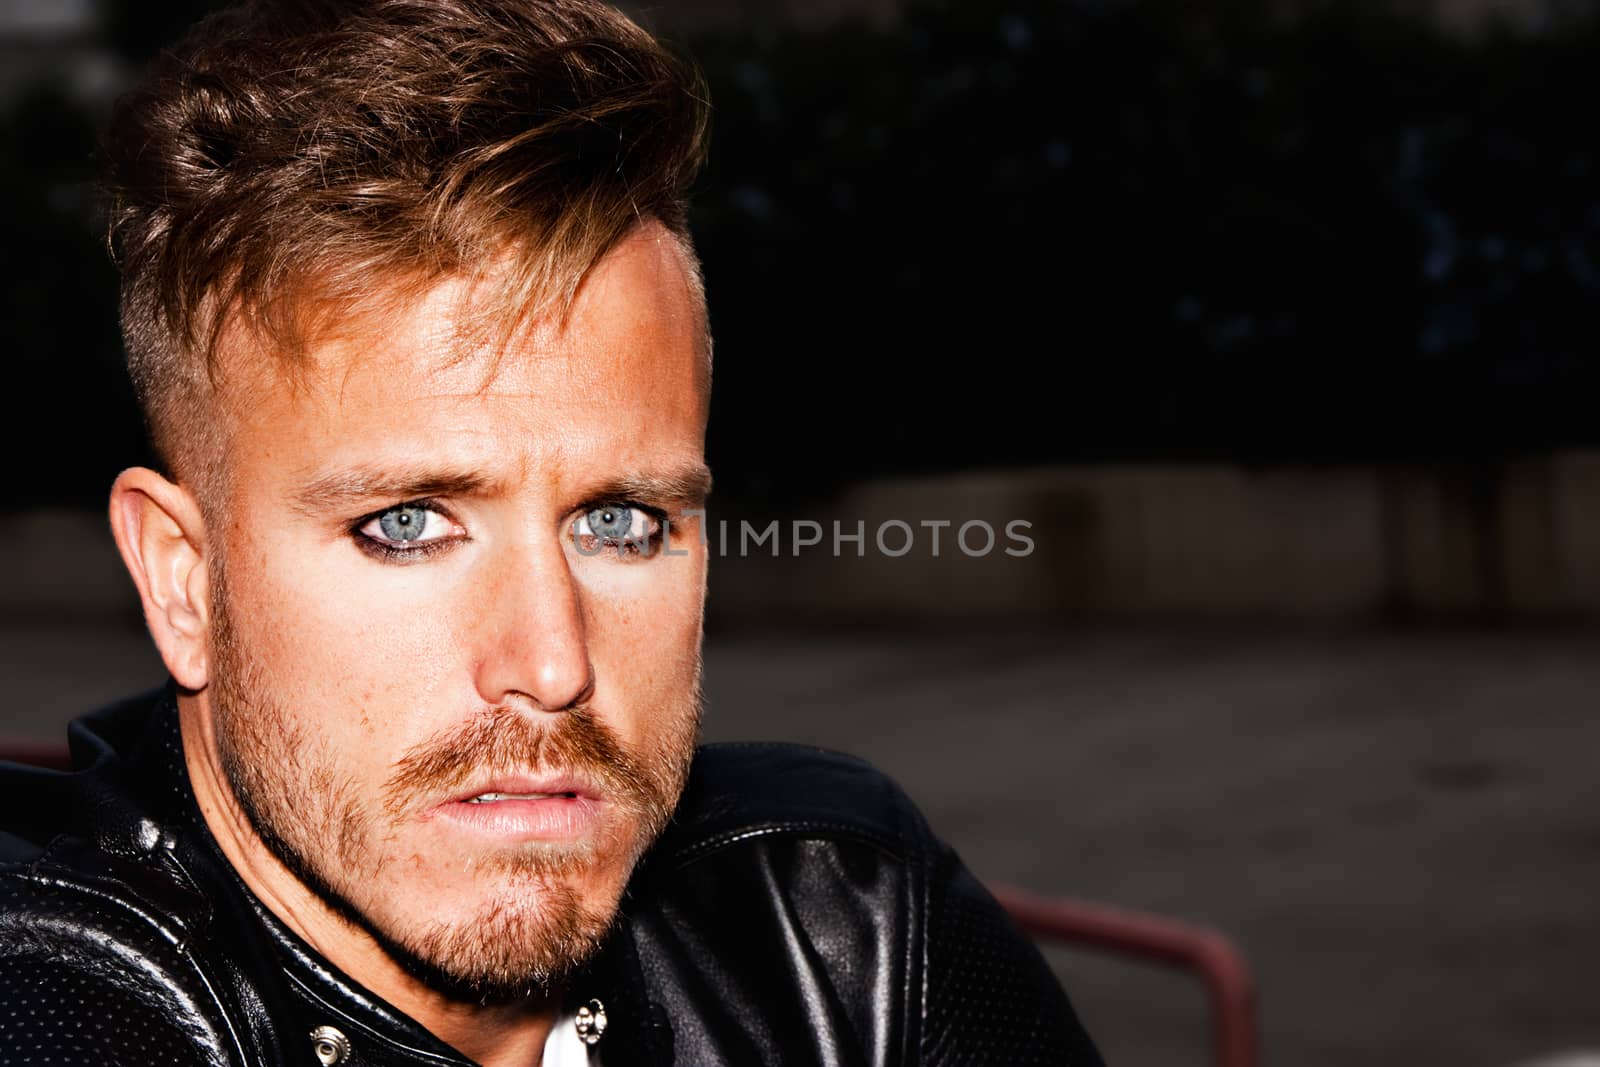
448,687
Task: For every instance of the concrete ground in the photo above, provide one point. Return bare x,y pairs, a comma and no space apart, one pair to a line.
1401,830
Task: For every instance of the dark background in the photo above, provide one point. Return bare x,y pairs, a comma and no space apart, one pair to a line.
976,234
1276,318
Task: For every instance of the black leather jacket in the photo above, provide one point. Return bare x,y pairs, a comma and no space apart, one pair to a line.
798,911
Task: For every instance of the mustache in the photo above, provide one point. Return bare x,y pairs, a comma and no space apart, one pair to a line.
505,740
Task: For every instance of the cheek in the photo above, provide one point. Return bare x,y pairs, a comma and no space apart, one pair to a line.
643,623
355,642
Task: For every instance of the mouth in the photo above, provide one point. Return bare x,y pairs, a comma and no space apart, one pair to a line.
508,788
496,798
557,809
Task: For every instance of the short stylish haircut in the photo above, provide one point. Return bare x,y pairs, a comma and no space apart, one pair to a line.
294,161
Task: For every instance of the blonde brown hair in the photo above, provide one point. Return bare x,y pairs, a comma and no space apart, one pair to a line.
300,156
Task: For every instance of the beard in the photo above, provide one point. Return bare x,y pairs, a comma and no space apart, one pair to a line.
536,930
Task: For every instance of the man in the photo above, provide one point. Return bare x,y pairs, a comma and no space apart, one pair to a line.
413,313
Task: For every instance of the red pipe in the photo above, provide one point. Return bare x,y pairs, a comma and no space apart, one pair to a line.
37,754
1199,949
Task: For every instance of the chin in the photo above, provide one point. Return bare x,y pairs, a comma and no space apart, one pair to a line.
516,926
508,939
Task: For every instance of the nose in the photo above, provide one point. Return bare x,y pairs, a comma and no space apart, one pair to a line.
533,648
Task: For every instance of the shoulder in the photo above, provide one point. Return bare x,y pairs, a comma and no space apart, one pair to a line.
740,792
108,949
785,860
96,963
787,893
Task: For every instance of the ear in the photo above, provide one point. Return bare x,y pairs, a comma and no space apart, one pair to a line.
160,532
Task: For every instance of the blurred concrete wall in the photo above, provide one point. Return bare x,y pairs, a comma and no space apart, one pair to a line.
1516,540
62,566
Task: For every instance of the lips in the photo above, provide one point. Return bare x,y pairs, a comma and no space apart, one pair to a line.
525,808
500,790
490,798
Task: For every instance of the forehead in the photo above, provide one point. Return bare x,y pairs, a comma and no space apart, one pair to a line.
625,369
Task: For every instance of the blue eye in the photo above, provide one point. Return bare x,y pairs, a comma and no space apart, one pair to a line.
631,530
408,532
404,523
611,523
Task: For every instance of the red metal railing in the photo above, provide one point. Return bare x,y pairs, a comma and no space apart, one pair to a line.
37,754
1198,949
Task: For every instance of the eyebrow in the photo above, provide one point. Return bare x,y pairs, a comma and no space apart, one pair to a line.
335,490
684,486
341,488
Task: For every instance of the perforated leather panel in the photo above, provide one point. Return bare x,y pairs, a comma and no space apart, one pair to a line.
987,979
53,1016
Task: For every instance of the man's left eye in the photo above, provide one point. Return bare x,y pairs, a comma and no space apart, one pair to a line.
616,525
406,525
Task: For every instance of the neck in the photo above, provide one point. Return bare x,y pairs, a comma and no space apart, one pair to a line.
492,1035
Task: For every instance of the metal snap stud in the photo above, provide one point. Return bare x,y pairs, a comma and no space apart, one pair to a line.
331,1046
148,834
591,1022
